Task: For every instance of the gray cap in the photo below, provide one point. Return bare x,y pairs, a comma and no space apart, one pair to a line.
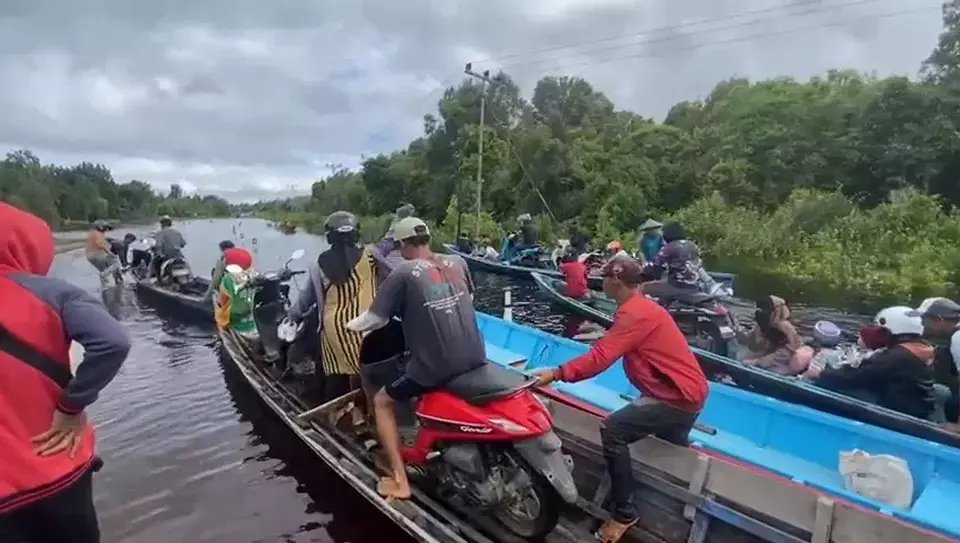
409,228
943,308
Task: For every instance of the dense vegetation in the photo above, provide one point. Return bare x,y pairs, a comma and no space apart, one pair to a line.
77,195
846,180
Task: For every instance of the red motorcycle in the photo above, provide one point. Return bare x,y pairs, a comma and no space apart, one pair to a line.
484,442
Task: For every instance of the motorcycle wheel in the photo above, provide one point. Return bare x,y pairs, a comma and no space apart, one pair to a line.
535,511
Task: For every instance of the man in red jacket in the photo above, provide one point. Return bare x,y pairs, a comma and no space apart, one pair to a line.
46,443
658,361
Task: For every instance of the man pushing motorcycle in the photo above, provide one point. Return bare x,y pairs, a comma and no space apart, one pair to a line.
432,294
658,361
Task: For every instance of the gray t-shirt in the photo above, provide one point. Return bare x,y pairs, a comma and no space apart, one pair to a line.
438,319
169,242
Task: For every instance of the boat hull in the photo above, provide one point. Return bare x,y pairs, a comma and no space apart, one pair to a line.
780,439
523,272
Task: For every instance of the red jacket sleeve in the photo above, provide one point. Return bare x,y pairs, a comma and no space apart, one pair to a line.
621,338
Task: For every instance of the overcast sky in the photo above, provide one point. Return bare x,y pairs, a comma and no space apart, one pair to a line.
253,98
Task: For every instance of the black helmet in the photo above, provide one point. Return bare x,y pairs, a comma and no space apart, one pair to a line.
673,231
226,244
129,238
342,227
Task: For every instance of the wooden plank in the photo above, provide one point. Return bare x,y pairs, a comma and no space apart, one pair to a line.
753,490
823,521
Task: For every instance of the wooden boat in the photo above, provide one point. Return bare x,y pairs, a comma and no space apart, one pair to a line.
187,304
782,458
768,383
523,272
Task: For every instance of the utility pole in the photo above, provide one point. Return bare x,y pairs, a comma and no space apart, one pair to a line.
484,81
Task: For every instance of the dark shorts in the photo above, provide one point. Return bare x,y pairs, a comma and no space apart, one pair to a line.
405,389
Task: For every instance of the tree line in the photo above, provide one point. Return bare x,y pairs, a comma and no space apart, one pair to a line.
75,196
846,179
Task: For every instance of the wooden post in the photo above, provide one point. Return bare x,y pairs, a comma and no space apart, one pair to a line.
507,305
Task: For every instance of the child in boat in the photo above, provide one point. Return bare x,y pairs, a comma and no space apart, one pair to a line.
774,343
574,274
233,305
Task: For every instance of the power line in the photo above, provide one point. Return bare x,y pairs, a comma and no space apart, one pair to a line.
648,54
679,27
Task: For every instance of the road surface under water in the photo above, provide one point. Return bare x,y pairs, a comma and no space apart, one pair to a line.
192,455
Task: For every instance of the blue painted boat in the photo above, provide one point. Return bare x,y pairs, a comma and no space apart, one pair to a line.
794,442
788,389
523,272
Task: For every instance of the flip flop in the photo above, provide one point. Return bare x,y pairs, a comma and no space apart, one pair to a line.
387,488
612,531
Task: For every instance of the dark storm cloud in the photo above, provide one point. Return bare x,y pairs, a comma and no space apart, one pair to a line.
261,95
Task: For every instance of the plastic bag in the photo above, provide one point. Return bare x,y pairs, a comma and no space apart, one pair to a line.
881,477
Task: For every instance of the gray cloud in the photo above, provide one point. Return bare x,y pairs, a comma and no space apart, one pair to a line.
246,98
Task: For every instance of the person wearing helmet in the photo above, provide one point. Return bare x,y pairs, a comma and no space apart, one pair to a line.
680,260
575,274
774,343
169,244
99,252
898,377
342,283
433,296
650,239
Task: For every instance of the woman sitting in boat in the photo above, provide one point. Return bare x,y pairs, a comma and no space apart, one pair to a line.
233,304
774,343
342,283
486,251
899,377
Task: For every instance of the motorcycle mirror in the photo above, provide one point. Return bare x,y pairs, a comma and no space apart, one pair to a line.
233,268
298,254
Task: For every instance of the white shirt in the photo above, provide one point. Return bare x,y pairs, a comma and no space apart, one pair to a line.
955,348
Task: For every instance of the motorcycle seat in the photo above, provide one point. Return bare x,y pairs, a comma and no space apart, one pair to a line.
695,298
485,384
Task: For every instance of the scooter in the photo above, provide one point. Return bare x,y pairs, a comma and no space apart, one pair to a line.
483,441
706,322
175,272
271,299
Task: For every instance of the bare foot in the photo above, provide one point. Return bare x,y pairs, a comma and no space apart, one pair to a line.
389,488
612,531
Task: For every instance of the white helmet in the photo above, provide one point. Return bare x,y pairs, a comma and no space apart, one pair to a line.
898,321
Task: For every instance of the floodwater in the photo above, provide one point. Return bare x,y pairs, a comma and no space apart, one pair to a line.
192,455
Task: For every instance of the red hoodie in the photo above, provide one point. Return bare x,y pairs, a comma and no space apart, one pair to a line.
656,357
575,275
39,317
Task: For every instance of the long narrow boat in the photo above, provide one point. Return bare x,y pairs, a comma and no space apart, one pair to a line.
188,303
523,272
767,383
794,446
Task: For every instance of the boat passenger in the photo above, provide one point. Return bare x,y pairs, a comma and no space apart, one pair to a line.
217,273
899,377
658,361
139,251
529,233
680,260
388,243
774,343
342,283
650,239
826,343
486,251
169,244
941,317
579,238
99,253
233,308
432,294
47,445
615,250
574,275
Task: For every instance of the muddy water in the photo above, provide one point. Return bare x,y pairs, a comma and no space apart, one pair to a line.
192,455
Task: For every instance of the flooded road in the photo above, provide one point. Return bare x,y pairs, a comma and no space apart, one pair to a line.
192,455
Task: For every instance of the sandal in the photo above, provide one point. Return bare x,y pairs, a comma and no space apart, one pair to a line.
612,531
